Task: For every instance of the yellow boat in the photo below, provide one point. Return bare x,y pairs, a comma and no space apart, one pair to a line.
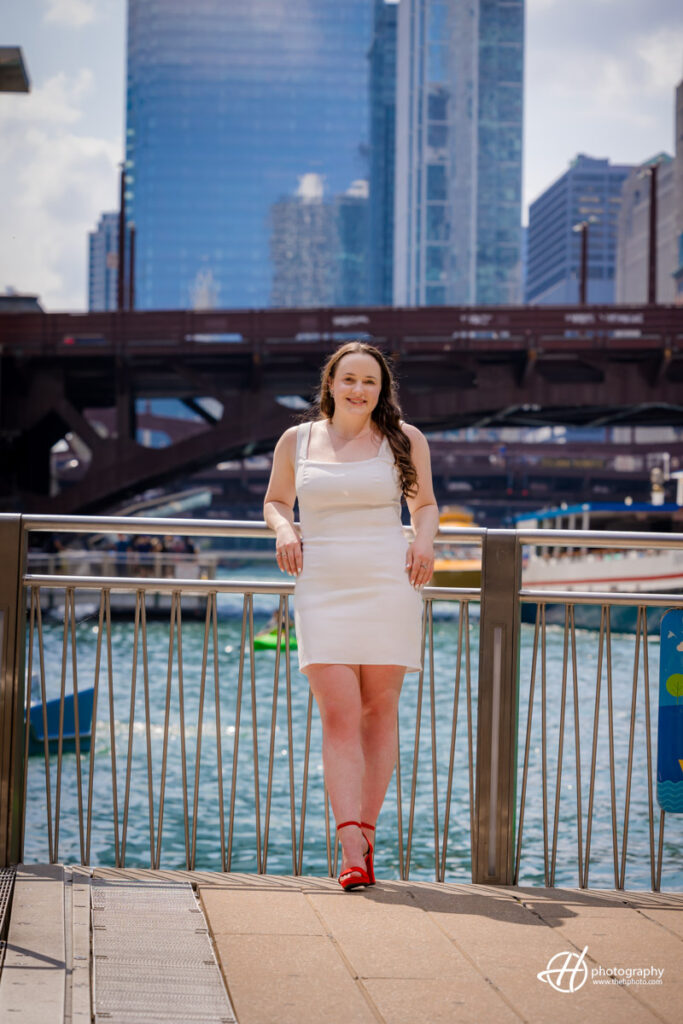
456,566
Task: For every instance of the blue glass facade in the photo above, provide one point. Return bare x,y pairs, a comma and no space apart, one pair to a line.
232,110
591,190
103,263
382,58
459,112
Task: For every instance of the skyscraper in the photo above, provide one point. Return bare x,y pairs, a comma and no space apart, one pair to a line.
382,57
229,107
457,231
590,191
633,233
103,263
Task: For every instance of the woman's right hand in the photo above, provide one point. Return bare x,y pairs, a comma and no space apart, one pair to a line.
289,550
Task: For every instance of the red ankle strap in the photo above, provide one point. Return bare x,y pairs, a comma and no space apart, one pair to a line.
345,823
364,824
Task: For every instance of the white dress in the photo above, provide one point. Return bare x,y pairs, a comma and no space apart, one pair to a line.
353,602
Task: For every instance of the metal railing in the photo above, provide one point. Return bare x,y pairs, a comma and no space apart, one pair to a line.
212,758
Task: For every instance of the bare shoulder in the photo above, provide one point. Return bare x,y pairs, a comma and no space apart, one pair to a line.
415,436
288,439
286,446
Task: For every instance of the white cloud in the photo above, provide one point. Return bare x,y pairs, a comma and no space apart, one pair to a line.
662,54
74,13
600,80
54,183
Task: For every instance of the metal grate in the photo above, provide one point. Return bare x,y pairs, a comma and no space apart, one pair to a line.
153,958
7,876
6,887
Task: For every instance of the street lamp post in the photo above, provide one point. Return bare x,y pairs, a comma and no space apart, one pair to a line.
652,239
582,227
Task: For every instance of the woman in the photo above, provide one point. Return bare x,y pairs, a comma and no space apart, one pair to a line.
357,600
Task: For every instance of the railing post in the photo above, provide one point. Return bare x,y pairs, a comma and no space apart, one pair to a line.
496,756
12,687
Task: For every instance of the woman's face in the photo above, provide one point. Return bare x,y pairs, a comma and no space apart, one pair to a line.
356,384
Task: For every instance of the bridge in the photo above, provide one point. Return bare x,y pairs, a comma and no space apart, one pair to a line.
457,366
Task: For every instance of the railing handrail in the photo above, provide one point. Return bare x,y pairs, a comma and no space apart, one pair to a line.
196,527
599,538
259,529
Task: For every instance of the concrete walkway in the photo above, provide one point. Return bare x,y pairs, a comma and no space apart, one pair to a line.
301,951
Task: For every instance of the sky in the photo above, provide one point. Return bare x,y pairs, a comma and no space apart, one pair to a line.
600,77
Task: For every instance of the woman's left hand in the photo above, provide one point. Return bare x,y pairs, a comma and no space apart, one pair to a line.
420,562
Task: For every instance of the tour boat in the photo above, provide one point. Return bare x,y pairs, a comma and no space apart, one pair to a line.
604,570
456,565
590,569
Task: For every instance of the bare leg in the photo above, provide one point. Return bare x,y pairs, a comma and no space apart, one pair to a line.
337,691
380,691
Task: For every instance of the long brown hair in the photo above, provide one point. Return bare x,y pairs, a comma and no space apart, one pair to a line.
386,415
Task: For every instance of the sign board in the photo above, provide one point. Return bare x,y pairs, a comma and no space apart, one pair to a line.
670,722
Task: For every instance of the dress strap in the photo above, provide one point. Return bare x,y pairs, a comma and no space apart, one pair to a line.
303,441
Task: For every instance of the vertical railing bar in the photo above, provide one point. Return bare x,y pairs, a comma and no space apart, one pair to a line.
560,746
631,738
181,713
648,742
27,712
148,726
290,739
470,736
167,719
454,729
399,798
527,744
594,747
200,729
432,714
60,739
304,788
544,744
219,740
112,730
612,767
235,746
131,724
416,747
46,743
254,733
331,868
273,725
577,745
77,729
660,847
93,727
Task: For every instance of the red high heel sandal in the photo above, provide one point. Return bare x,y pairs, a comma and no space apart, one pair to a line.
354,876
369,864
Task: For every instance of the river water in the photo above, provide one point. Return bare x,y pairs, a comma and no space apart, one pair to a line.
279,860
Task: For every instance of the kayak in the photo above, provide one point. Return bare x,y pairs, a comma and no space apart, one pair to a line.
268,641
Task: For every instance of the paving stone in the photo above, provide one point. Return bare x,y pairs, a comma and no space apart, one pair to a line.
254,912
33,976
290,980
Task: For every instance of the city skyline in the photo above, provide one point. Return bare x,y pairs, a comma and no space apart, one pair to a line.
599,80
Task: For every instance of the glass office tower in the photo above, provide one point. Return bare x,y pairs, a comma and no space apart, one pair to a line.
233,110
103,264
457,235
382,58
591,191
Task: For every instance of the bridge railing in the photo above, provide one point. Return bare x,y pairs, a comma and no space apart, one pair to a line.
206,751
